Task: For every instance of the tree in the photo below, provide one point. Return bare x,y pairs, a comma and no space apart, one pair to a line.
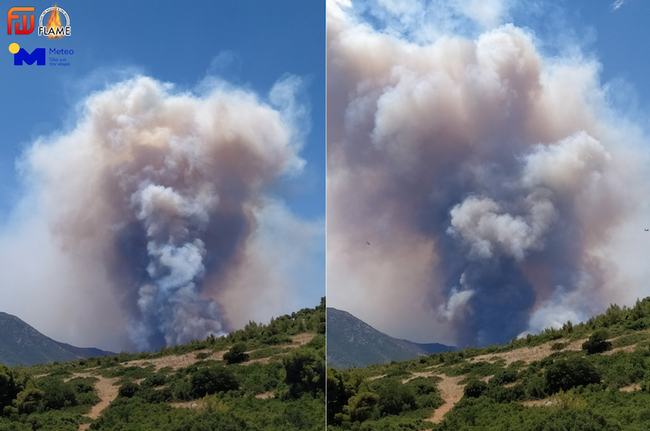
567,374
475,388
597,342
208,381
128,389
237,354
361,406
9,388
29,400
305,372
395,397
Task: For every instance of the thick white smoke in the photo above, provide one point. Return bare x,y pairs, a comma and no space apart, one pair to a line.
156,196
496,186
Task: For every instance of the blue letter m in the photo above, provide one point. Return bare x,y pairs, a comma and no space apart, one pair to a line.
38,56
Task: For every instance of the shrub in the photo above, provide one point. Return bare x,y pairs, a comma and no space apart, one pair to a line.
128,389
237,354
597,342
396,398
305,372
207,381
361,406
475,388
558,346
567,374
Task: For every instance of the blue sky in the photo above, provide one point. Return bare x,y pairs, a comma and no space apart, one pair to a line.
250,44
613,32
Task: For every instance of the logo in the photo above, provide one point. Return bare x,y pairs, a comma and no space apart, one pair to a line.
54,28
21,56
25,29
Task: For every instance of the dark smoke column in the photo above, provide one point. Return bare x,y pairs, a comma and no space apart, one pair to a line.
163,190
492,183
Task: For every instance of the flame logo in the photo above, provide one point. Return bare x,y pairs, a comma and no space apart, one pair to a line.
54,22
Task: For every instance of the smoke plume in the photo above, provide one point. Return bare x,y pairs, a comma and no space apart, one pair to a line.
498,190
159,196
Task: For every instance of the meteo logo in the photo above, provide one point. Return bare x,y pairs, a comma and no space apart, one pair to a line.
11,17
21,56
54,28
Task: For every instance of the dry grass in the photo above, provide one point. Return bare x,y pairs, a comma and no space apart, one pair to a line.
256,361
301,339
633,387
187,404
527,354
539,403
175,362
626,349
381,376
416,375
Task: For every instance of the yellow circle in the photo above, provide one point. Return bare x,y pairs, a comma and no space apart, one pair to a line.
14,48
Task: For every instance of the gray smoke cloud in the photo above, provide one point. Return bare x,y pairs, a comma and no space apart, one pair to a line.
155,207
498,190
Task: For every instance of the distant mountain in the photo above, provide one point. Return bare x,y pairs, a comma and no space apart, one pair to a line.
20,344
352,342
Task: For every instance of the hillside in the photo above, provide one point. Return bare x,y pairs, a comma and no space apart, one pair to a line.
263,377
590,376
21,344
353,343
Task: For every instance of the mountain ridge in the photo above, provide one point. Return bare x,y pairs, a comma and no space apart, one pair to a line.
352,342
22,344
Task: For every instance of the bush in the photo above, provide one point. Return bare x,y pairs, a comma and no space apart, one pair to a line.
208,381
504,376
396,398
558,346
305,372
536,387
129,389
597,342
237,354
361,406
57,394
475,388
567,374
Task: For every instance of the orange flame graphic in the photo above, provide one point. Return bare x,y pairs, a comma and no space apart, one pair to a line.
54,22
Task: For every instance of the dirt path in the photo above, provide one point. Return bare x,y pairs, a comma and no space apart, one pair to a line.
107,392
451,393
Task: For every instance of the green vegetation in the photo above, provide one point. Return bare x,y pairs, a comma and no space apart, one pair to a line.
283,390
573,384
597,342
237,354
